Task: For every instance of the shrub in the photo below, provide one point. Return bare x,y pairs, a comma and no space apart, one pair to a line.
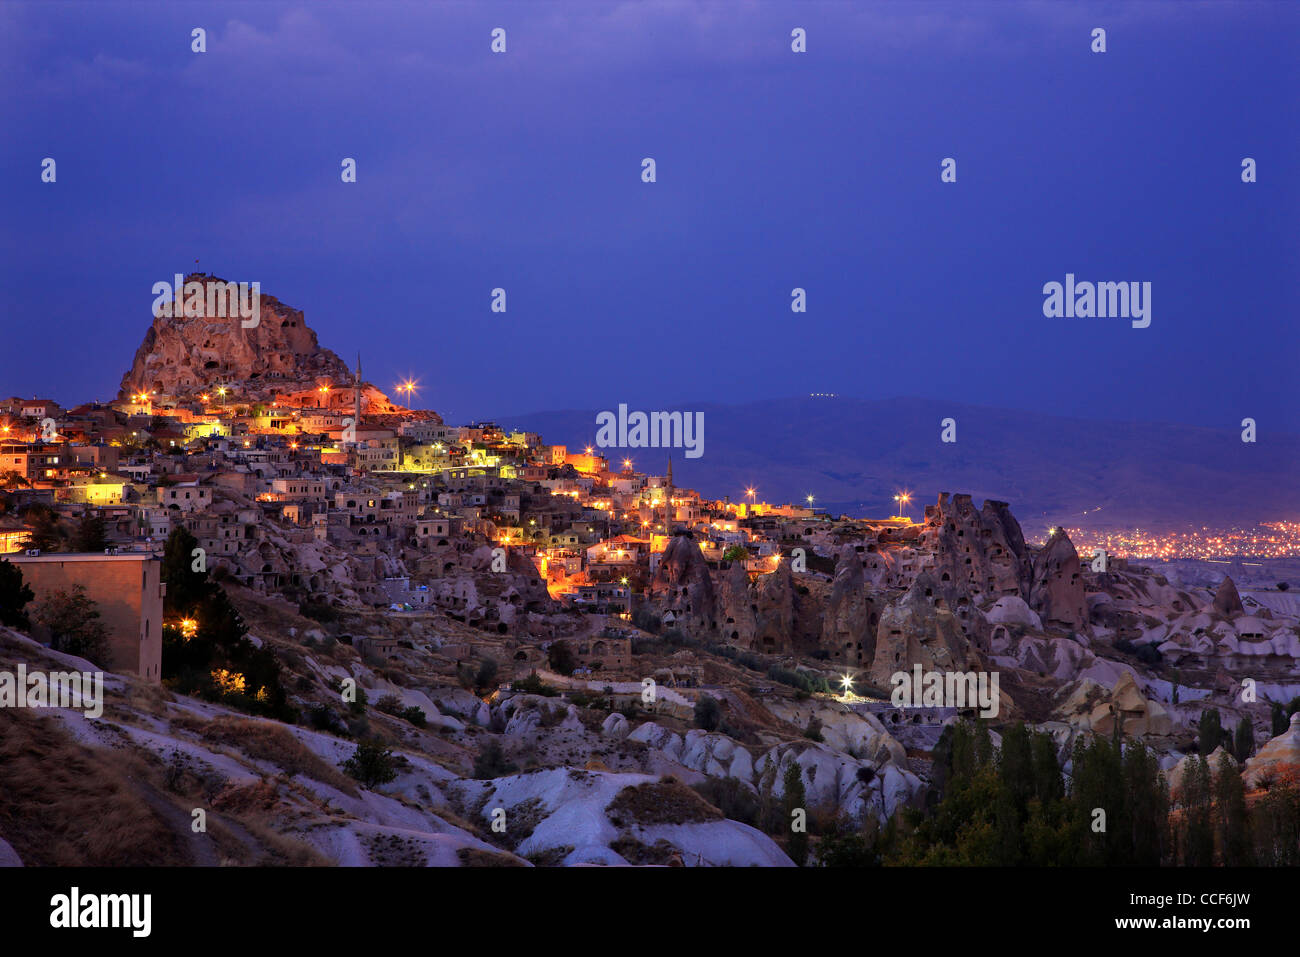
371,764
486,675
732,798
533,685
491,762
708,713
814,730
317,611
560,657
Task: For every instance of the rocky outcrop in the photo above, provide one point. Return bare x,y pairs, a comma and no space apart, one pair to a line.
682,585
919,629
185,355
1279,756
736,606
1090,706
8,856
981,554
774,617
1227,601
851,617
1057,593
1176,777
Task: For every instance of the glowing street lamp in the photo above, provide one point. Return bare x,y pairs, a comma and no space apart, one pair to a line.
810,500
750,492
846,682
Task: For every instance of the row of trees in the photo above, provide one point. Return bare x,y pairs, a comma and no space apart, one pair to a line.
1010,806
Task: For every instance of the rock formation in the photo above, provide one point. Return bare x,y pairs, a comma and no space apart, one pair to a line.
1057,591
736,606
682,585
851,618
185,355
920,629
980,553
1227,601
1278,756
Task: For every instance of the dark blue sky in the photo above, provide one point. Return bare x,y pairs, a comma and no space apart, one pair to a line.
775,170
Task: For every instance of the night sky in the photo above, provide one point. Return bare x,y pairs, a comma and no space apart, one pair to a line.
775,170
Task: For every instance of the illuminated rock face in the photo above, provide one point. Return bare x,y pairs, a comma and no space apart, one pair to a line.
185,356
1279,756
1057,593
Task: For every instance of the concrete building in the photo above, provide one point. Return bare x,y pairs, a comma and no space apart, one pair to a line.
128,590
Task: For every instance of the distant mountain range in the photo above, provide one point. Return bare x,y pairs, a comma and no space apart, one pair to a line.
853,455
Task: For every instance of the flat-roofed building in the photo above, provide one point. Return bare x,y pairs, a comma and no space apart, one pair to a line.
128,590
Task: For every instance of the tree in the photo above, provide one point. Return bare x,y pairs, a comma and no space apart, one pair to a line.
1230,810
1210,731
14,596
11,479
1198,823
44,533
90,535
1280,721
371,764
1243,743
736,553
708,713
796,799
74,624
560,657
186,588
486,675
491,762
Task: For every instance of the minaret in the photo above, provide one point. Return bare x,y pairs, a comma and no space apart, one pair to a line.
356,397
668,499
